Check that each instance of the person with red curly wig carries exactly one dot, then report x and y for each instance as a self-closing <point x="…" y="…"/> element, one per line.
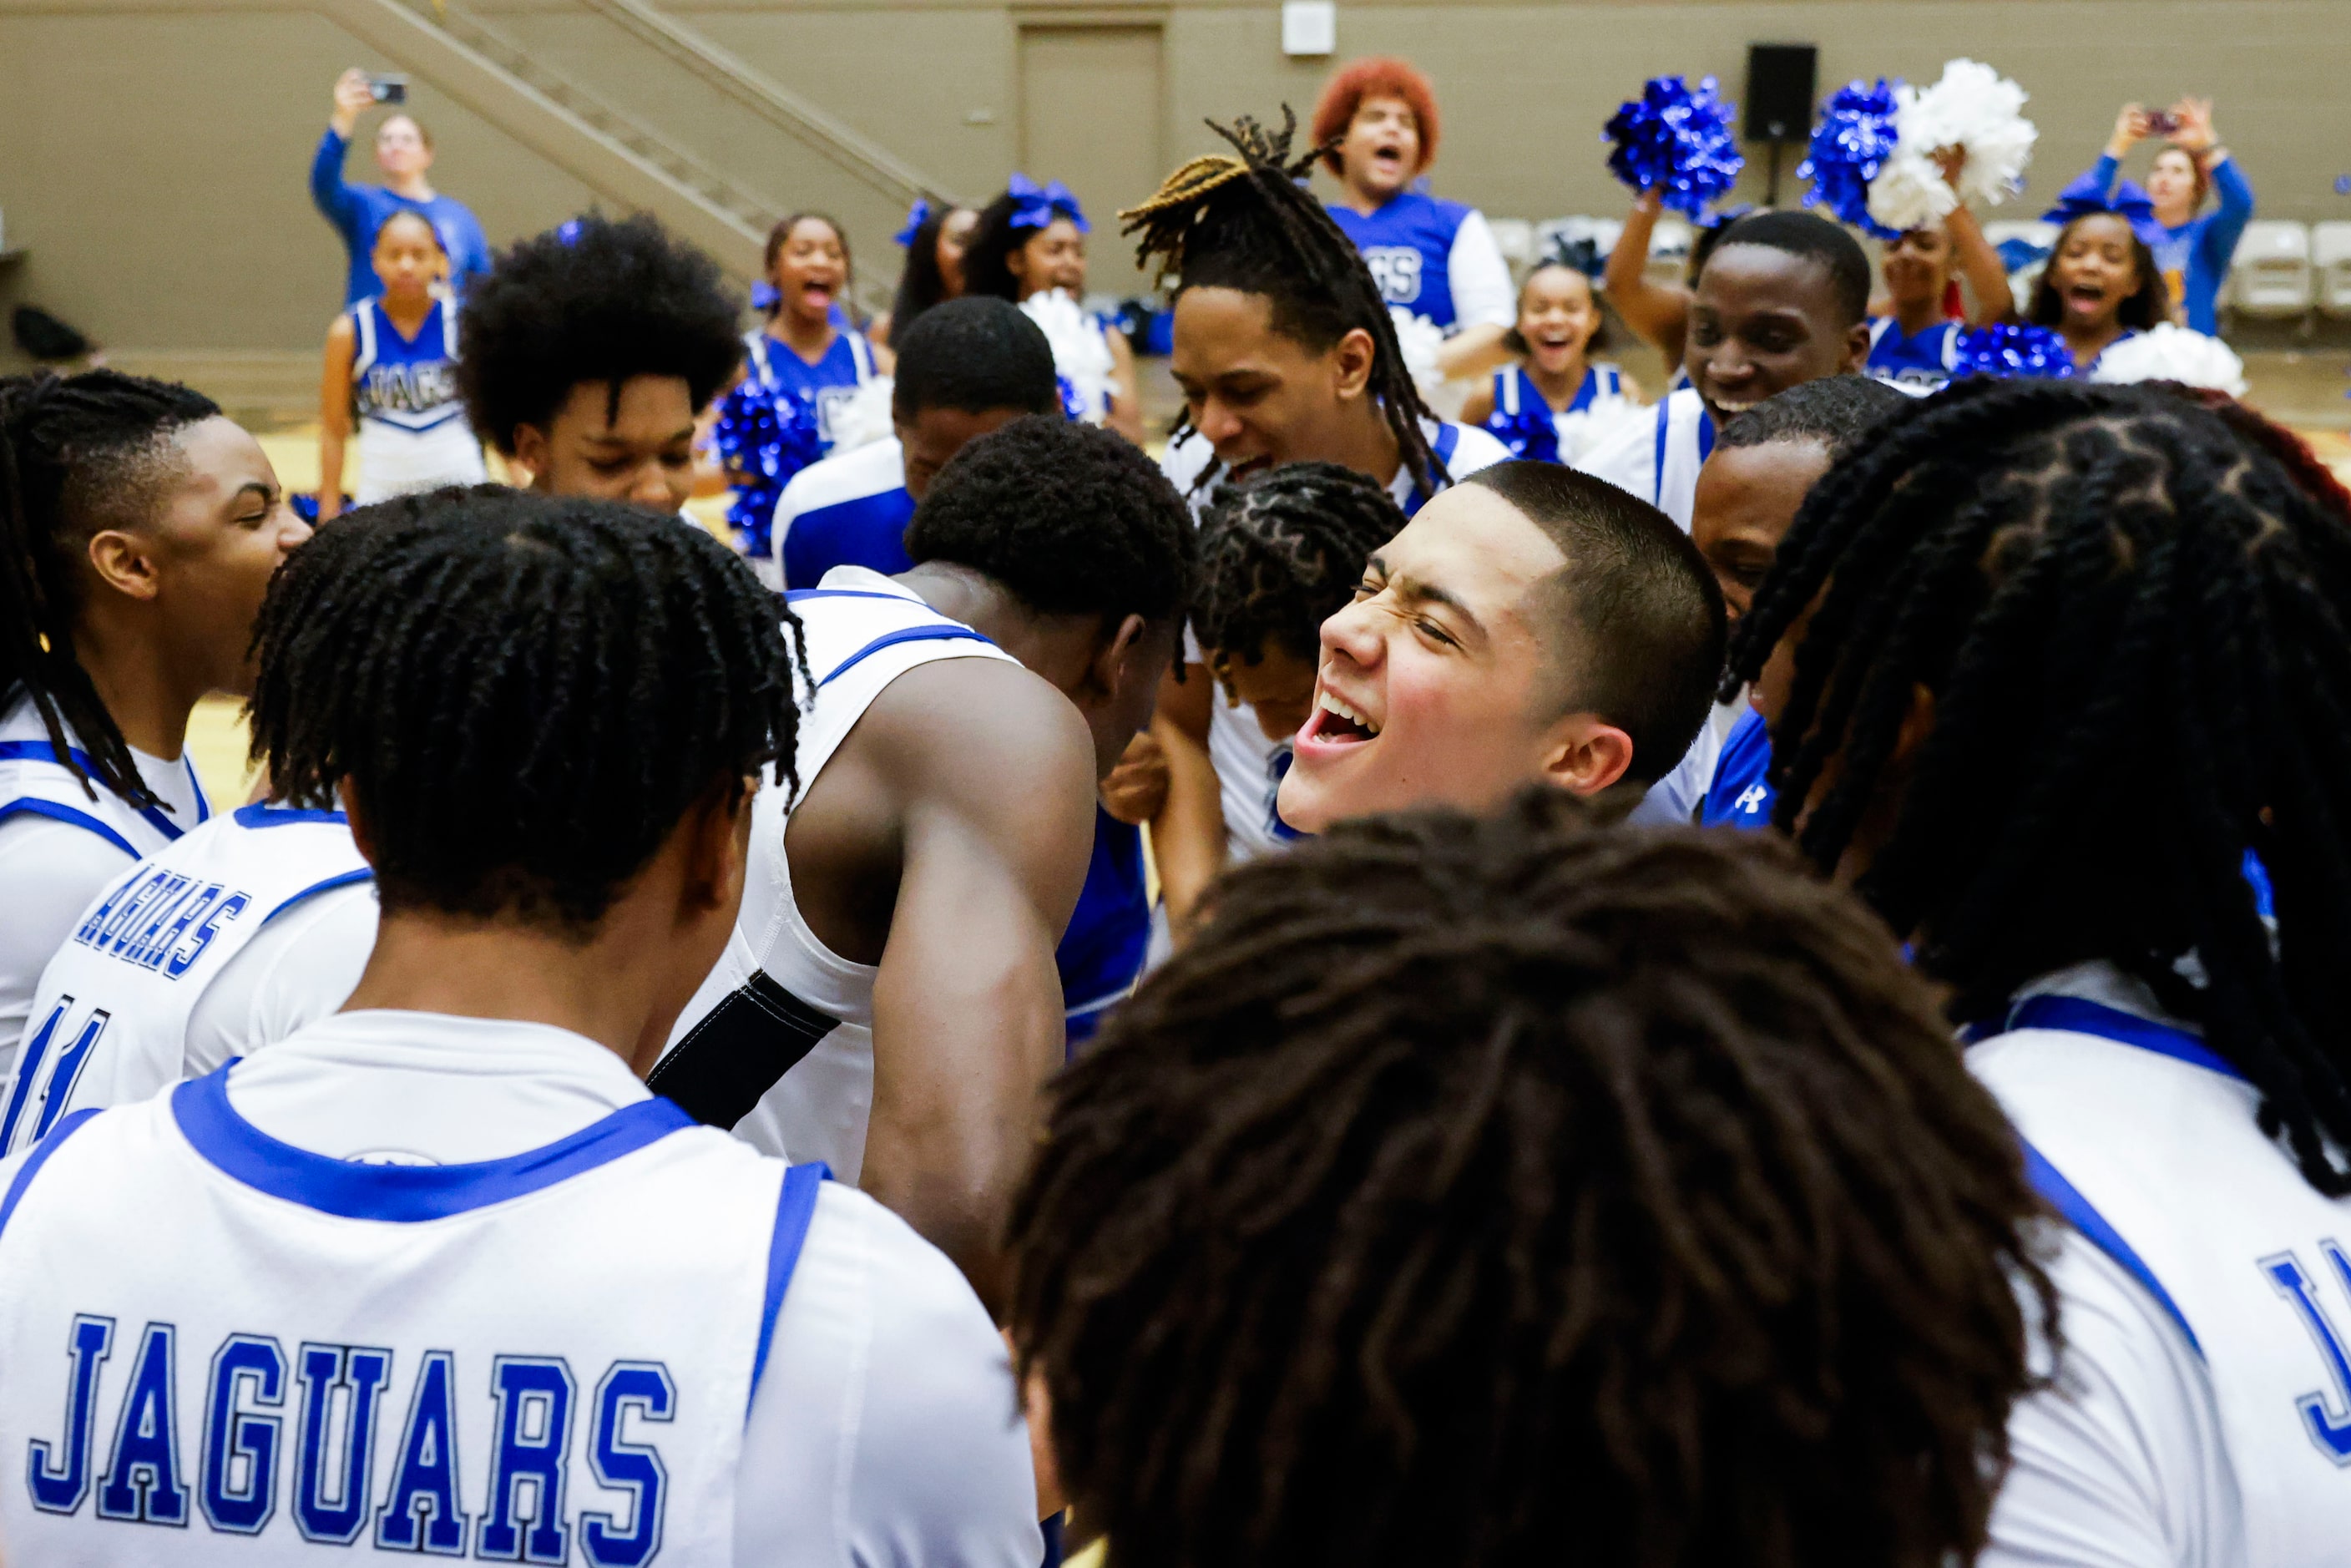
<point x="1433" y="258"/>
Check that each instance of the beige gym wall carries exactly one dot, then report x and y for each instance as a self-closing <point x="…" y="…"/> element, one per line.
<point x="154" y="153"/>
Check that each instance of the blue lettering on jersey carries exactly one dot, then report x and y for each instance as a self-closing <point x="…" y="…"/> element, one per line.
<point x="522" y="1518"/>
<point x="239" y="1490"/>
<point x="142" y="1482"/>
<point x="228" y="909"/>
<point x="58" y="1488"/>
<point x="69" y="1070"/>
<point x="534" y="1433"/>
<point x="1397" y="269"/>
<point x="424" y="1478"/>
<point x="645" y="1387"/>
<point x="2331" y="1432"/>
<point x="28" y="1067"/>
<point x="144" y="922"/>
<point x="334" y="1506"/>
<point x="413" y="386"/>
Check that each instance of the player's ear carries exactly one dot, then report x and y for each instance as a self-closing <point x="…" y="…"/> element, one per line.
<point x="125" y="563"/>
<point x="530" y="448"/>
<point x="1585" y="754"/>
<point x="1856" y="348"/>
<point x="1116" y="656"/>
<point x="1350" y="363"/>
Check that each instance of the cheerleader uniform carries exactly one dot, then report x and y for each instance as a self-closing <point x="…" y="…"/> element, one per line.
<point x="830" y="383"/>
<point x="411" y="428"/>
<point x="1082" y="361"/>
<point x="1518" y="405"/>
<point x="1434" y="259"/>
<point x="1917" y="365"/>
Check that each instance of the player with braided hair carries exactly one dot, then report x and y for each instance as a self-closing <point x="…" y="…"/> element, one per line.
<point x="1281" y="552"/>
<point x="1285" y="353"/>
<point x="2047" y="667"/>
<point x="456" y="1199"/>
<point x="890" y="1004"/>
<point x="1482" y="1192"/>
<point x="139" y="529"/>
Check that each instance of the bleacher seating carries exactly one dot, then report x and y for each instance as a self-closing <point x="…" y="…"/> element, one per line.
<point x="2270" y="275"/>
<point x="2330" y="265"/>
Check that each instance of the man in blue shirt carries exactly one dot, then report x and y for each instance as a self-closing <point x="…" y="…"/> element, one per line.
<point x="403" y="151"/>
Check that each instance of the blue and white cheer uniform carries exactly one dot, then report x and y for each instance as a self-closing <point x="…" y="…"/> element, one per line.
<point x="1917" y="365"/>
<point x="1434" y="259"/>
<point x="1599" y="401"/>
<point x="411" y="428"/>
<point x="831" y="383"/>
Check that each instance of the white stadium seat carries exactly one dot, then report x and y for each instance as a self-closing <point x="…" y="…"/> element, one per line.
<point x="2330" y="263"/>
<point x="2271" y="274"/>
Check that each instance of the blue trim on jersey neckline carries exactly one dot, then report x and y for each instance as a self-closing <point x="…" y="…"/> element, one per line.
<point x="325" y="884"/>
<point x="795" y="1206"/>
<point x="402" y="1194"/>
<point x="937" y="631"/>
<point x="41" y="751"/>
<point x="794" y="595"/>
<point x="1665" y="423"/>
<point x="262" y="814"/>
<point x="39" y="1158"/>
<point x="2078" y="1015"/>
<point x="2066" y="1198"/>
<point x="67" y="814"/>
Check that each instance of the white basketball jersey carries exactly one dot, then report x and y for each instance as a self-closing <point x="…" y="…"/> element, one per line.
<point x="109" y="1021"/>
<point x="2148" y="1143"/>
<point x="215" y="1347"/>
<point x="35" y="781"/>
<point x="778" y="1042"/>
<point x="1657" y="458"/>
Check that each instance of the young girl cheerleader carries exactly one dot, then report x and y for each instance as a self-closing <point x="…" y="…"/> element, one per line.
<point x="141" y="529"/>
<point x="1554" y="403"/>
<point x="391" y="367"/>
<point x="804" y="349"/>
<point x="935" y="239"/>
<point x="1915" y="326"/>
<point x="2101" y="286"/>
<point x="1029" y="247"/>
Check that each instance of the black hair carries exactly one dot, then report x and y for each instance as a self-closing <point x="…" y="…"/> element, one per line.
<point x="1814" y="238"/>
<point x="1251" y="224"/>
<point x="524" y="692"/>
<point x="2143" y="617"/>
<point x="921" y="286"/>
<point x="986" y="256"/>
<point x="2147" y="305"/>
<point x="780" y="236"/>
<point x="1834" y="412"/>
<point x="1516" y="340"/>
<point x="1281" y="552"/>
<point x="1636" y="614"/>
<point x="431" y="228"/>
<point x="975" y="354"/>
<point x="593" y="301"/>
<point x="79" y="455"/>
<point x="1071" y="520"/>
<point x="1473" y="1192"/>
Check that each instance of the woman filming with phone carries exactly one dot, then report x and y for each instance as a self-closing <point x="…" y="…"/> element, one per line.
<point x="403" y="151"/>
<point x="2196" y="247"/>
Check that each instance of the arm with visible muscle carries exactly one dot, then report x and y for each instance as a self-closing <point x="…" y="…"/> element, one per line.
<point x="1187" y="835"/>
<point x="994" y="778"/>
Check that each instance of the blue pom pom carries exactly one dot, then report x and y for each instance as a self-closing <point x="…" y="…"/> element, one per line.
<point x="2011" y="351"/>
<point x="1852" y="142"/>
<point x="1531" y="434"/>
<point x="764" y="435"/>
<point x="764" y="295"/>
<point x="1678" y="141"/>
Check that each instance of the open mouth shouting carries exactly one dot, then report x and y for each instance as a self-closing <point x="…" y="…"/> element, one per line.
<point x="1335" y="725"/>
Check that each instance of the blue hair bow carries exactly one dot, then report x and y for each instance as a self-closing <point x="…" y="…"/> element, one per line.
<point x="1035" y="207"/>
<point x="916" y="217"/>
<point x="2082" y="199"/>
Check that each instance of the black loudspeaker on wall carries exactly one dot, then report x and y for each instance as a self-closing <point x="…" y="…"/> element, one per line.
<point x="1781" y="80"/>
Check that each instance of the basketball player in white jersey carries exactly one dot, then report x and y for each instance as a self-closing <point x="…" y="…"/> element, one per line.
<point x="1783" y="299"/>
<point x="141" y="529"/>
<point x="591" y="349"/>
<point x="438" y="1274"/>
<point x="889" y="1002"/>
<point x="2056" y="675"/>
<point x="1532" y="625"/>
<point x="1285" y="353"/>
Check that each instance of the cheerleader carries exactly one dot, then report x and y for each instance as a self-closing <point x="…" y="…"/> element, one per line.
<point x="809" y="347"/>
<point x="2101" y="285"/>
<point x="392" y="365"/>
<point x="139" y="529"/>
<point x="1914" y="326"/>
<point x="1553" y="405"/>
<point x="2191" y="252"/>
<point x="935" y="239"/>
<point x="1434" y="260"/>
<point x="1029" y="247"/>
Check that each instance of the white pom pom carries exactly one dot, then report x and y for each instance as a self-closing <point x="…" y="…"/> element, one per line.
<point x="1079" y="353"/>
<point x="1419" y="339"/>
<point x="2170" y="353"/>
<point x="1972" y="108"/>
<point x="862" y="420"/>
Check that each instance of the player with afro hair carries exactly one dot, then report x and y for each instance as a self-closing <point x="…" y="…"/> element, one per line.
<point x="589" y="350"/>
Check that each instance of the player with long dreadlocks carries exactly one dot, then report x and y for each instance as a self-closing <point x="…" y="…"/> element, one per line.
<point x="139" y="529"/>
<point x="2048" y="668"/>
<point x="1474" y="1193"/>
<point x="1285" y="354"/>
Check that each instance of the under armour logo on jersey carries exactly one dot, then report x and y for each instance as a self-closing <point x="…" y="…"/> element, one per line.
<point x="1751" y="799"/>
<point x="1397" y="269"/>
<point x="2325" y="1412"/>
<point x="307" y="1431"/>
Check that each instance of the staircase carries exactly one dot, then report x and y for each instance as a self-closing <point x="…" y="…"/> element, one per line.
<point x="623" y="157"/>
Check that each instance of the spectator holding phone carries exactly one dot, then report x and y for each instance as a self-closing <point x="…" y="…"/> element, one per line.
<point x="2196" y="250"/>
<point x="403" y="151"/>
